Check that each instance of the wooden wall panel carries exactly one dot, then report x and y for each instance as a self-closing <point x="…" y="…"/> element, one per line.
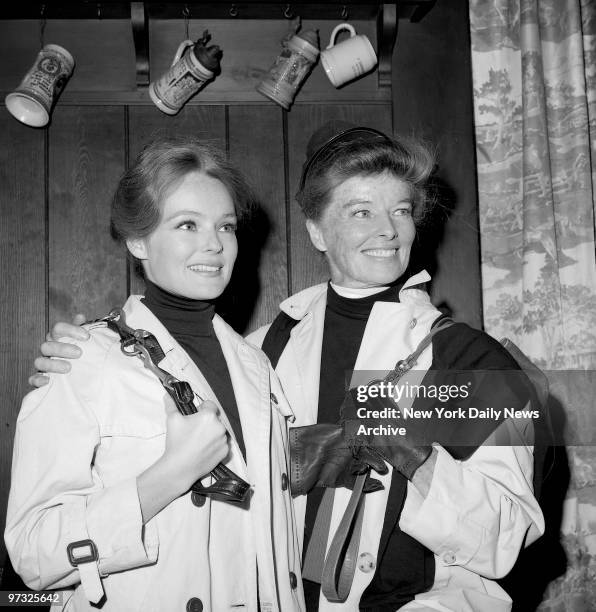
<point x="87" y="271"/>
<point x="147" y="123"/>
<point x="260" y="280"/>
<point x="22" y="275"/>
<point x="432" y="98"/>
<point x="308" y="266"/>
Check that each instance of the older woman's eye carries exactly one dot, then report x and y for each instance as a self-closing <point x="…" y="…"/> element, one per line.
<point x="406" y="210"/>
<point x="362" y="213"/>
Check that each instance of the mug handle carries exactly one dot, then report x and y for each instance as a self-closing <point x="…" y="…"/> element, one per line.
<point x="339" y="28"/>
<point x="181" y="49"/>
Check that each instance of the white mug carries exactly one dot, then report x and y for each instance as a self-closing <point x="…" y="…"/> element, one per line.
<point x="32" y="101"/>
<point x="348" y="59"/>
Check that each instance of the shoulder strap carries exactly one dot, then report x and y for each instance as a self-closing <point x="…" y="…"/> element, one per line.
<point x="226" y="486"/>
<point x="277" y="337"/>
<point x="403" y="365"/>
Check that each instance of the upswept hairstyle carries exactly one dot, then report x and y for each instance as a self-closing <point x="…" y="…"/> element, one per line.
<point x="365" y="152"/>
<point x="160" y="167"/>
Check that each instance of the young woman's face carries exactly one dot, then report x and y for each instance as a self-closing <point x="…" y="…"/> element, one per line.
<point x="192" y="251"/>
<point x="366" y="231"/>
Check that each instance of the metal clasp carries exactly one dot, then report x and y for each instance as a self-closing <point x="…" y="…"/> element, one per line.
<point x="76" y="558"/>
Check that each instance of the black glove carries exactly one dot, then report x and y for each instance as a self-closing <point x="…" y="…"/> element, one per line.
<point x="321" y="457"/>
<point x="406" y="453"/>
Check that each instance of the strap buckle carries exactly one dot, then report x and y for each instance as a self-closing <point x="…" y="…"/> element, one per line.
<point x="76" y="558"/>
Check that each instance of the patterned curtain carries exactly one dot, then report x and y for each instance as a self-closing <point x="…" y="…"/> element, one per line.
<point x="534" y="73"/>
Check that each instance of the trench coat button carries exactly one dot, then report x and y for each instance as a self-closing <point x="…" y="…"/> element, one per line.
<point x="194" y="604"/>
<point x="197" y="500"/>
<point x="366" y="563"/>
<point x="449" y="557"/>
<point x="413" y="323"/>
<point x="273" y="398"/>
<point x="284" y="482"/>
<point x="293" y="580"/>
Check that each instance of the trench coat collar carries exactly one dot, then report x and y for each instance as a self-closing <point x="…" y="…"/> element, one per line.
<point x="178" y="363"/>
<point x="299" y="304"/>
<point x="308" y="307"/>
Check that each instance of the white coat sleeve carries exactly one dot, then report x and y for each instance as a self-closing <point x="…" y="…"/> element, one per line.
<point x="57" y="498"/>
<point x="477" y="513"/>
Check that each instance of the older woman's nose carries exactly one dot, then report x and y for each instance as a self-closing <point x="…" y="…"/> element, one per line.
<point x="387" y="227"/>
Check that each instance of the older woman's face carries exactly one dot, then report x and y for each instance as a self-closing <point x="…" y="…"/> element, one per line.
<point x="192" y="250"/>
<point x="366" y="231"/>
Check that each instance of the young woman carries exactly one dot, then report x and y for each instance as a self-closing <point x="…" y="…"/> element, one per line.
<point x="103" y="462"/>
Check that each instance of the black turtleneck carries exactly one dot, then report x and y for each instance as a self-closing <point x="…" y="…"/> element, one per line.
<point x="345" y="321"/>
<point x="190" y="322"/>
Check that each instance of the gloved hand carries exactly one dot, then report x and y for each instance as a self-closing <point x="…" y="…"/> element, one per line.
<point x="406" y="453"/>
<point x="321" y="457"/>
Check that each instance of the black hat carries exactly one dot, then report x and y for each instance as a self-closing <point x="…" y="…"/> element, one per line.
<point x="333" y="133"/>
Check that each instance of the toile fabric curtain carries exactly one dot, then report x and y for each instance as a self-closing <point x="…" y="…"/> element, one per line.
<point x="534" y="75"/>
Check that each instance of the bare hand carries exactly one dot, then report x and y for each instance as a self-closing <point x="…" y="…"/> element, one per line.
<point x="54" y="352"/>
<point x="195" y="444"/>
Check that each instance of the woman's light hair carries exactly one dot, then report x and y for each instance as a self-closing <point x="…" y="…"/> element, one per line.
<point x="160" y="167"/>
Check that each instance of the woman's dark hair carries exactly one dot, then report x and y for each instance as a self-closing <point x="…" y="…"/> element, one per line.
<point x="160" y="167"/>
<point x="365" y="152"/>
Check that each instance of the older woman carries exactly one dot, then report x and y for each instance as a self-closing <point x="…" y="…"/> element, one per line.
<point x="103" y="461"/>
<point x="443" y="526"/>
<point x="441" y="529"/>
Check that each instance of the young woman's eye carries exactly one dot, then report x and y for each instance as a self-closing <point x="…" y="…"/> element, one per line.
<point x="228" y="227"/>
<point x="187" y="225"/>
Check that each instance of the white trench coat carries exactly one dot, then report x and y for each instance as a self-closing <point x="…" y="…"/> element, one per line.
<point x="82" y="440"/>
<point x="478" y="513"/>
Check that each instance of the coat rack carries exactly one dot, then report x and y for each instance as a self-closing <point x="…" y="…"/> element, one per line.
<point x="386" y="15"/>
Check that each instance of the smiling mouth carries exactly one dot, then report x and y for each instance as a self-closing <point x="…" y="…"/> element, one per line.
<point x="380" y="252"/>
<point x="204" y="268"/>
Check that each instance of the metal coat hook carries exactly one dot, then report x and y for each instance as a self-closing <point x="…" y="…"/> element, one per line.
<point x="186" y="15"/>
<point x="288" y="12"/>
<point x="233" y="11"/>
<point x="42" y="25"/>
<point x="99" y="10"/>
<point x="344" y="15"/>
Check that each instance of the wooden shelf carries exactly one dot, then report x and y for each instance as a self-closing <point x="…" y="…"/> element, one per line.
<point x="413" y="10"/>
<point x="120" y="46"/>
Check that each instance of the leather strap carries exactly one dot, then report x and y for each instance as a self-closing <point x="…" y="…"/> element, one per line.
<point x="90" y="581"/>
<point x="403" y="365"/>
<point x="227" y="486"/>
<point x="314" y="556"/>
<point x="339" y="569"/>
